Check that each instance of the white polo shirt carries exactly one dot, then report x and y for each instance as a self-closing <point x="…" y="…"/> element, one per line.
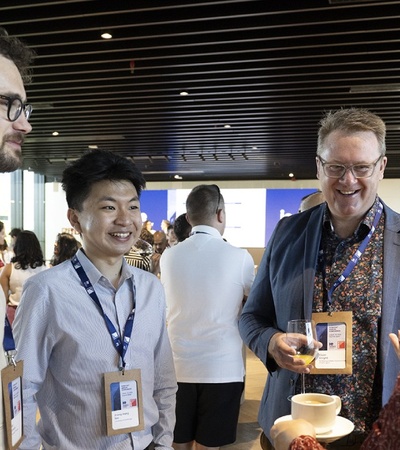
<point x="205" y="280"/>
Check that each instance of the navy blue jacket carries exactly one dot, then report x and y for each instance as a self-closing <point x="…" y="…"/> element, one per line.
<point x="283" y="290"/>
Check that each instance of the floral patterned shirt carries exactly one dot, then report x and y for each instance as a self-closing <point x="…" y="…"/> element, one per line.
<point x="361" y="293"/>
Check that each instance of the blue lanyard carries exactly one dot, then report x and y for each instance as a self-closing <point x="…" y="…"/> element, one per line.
<point x="121" y="346"/>
<point x="357" y="255"/>
<point x="9" y="343"/>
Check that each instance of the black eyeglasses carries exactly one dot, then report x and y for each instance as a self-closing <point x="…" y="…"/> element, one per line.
<point x="219" y="198"/>
<point x="15" y="106"/>
<point x="332" y="170"/>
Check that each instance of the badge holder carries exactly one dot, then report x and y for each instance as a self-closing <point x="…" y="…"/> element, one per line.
<point x="334" y="330"/>
<point x="11" y="377"/>
<point x="124" y="404"/>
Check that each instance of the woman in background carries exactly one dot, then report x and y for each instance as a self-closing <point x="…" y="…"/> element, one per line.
<point x="3" y="245"/>
<point x="65" y="248"/>
<point x="27" y="261"/>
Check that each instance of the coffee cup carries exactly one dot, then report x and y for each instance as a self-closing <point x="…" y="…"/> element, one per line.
<point x="318" y="409"/>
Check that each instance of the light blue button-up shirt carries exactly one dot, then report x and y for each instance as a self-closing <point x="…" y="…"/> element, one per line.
<point x="66" y="347"/>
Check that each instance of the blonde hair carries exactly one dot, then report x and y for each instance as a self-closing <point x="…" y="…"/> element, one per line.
<point x="350" y="121"/>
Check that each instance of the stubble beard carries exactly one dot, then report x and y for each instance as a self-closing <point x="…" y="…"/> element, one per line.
<point x="9" y="160"/>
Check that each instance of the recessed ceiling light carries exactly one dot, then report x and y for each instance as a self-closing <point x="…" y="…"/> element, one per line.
<point x="291" y="175"/>
<point x="184" y="93"/>
<point x="227" y="126"/>
<point x="254" y="147"/>
<point x="177" y="177"/>
<point x="106" y="35"/>
<point x="55" y="133"/>
<point x="93" y="147"/>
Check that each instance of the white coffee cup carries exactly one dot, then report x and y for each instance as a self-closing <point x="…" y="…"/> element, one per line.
<point x="318" y="409"/>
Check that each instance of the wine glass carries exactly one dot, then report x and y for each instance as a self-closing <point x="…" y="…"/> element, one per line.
<point x="301" y="335"/>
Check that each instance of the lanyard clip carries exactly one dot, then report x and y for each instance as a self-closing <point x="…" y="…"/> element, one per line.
<point x="10" y="355"/>
<point x="122" y="366"/>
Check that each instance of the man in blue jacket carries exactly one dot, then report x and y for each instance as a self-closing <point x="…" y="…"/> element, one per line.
<point x="341" y="256"/>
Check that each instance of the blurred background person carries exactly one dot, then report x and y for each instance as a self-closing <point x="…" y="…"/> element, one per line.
<point x="171" y="236"/>
<point x="147" y="236"/>
<point x="13" y="235"/>
<point x="182" y="228"/>
<point x="148" y="225"/>
<point x="160" y="244"/>
<point x="27" y="261"/>
<point x="311" y="200"/>
<point x="3" y="245"/>
<point x="164" y="225"/>
<point x="140" y="253"/>
<point x="65" y="248"/>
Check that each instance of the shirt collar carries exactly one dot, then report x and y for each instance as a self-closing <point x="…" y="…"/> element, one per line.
<point x="94" y="274"/>
<point x="364" y="226"/>
<point x="206" y="229"/>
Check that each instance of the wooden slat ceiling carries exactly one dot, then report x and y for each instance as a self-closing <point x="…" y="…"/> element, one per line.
<point x="268" y="69"/>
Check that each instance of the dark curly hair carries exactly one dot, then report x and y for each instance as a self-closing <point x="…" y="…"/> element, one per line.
<point x="27" y="251"/>
<point x="17" y="51"/>
<point x="67" y="246"/>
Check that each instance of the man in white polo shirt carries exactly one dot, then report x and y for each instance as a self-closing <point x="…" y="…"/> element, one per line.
<point x="206" y="280"/>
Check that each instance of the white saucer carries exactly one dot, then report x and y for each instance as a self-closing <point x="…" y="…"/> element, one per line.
<point x="342" y="428"/>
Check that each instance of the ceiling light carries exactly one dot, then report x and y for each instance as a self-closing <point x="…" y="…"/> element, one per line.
<point x="291" y="175"/>
<point x="184" y="93"/>
<point x="93" y="147"/>
<point x="227" y="126"/>
<point x="177" y="177"/>
<point x="254" y="147"/>
<point x="106" y="35"/>
<point x="55" y="133"/>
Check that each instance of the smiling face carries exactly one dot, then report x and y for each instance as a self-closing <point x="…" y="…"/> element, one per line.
<point x="109" y="222"/>
<point x="12" y="134"/>
<point x="350" y="198"/>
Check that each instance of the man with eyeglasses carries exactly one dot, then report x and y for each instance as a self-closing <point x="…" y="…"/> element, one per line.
<point x="205" y="281"/>
<point x="15" y="59"/>
<point x="339" y="259"/>
<point x="14" y="113"/>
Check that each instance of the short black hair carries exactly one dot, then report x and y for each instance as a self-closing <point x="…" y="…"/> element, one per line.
<point x="203" y="203"/>
<point x="182" y="228"/>
<point x="18" y="52"/>
<point x="94" y="166"/>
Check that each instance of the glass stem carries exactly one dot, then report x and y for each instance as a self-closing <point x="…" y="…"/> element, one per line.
<point x="303" y="383"/>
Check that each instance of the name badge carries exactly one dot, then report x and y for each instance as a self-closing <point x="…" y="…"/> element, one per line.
<point x="334" y="331"/>
<point x="11" y="377"/>
<point x="124" y="404"/>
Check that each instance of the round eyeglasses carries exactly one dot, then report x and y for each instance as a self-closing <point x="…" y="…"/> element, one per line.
<point x="15" y="106"/>
<point x="332" y="170"/>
